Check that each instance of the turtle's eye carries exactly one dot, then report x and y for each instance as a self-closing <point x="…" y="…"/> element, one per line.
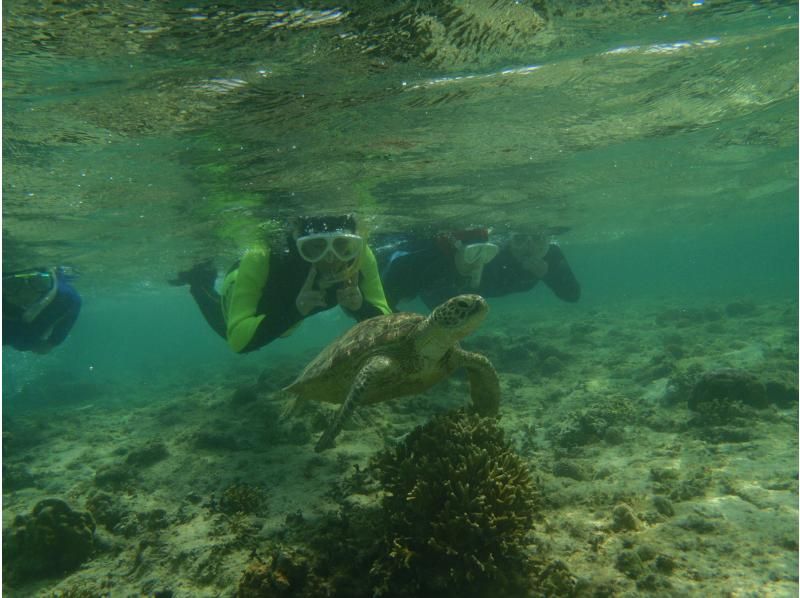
<point x="463" y="304"/>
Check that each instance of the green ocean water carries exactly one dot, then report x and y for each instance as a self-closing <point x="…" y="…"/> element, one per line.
<point x="659" y="138"/>
<point x="139" y="138"/>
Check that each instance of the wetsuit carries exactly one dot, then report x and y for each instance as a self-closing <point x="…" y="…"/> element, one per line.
<point x="257" y="302"/>
<point x="504" y="275"/>
<point x="428" y="270"/>
<point x="53" y="322"/>
<point x="419" y="268"/>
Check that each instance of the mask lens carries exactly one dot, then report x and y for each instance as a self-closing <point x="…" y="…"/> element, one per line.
<point x="472" y="253"/>
<point x="344" y="246"/>
<point x="480" y="252"/>
<point x="347" y="247"/>
<point x="312" y="248"/>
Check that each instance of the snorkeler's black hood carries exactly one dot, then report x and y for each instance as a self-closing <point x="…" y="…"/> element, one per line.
<point x="310" y="225"/>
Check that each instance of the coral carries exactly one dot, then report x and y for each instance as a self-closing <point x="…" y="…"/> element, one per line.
<point x="624" y="519"/>
<point x="114" y="476"/>
<point x="694" y="485"/>
<point x="728" y="385"/>
<point x="106" y="509"/>
<point x="718" y="420"/>
<point x="556" y="580"/>
<point x="679" y="485"/>
<point x="344" y="545"/>
<point x="726" y="402"/>
<point x="284" y="573"/>
<point x="570" y="469"/>
<point x="458" y="506"/>
<point x="599" y="421"/>
<point x="241" y="498"/>
<point x="51" y="541"/>
<point x="663" y="505"/>
<point x="629" y="563"/>
<point x="782" y="389"/>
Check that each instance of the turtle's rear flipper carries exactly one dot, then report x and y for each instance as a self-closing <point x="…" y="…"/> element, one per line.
<point x="484" y="385"/>
<point x="367" y="380"/>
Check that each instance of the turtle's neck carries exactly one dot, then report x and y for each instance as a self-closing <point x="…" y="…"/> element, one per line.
<point x="433" y="341"/>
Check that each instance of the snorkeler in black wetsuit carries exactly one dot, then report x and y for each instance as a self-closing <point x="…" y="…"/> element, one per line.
<point x="448" y="264"/>
<point x="435" y="268"/>
<point x="40" y="308"/>
<point x="525" y="261"/>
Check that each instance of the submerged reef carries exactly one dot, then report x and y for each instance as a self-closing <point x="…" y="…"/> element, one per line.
<point x="458" y="508"/>
<point x="240" y="498"/>
<point x="601" y="420"/>
<point x="728" y="385"/>
<point x="724" y="403"/>
<point x="284" y="573"/>
<point x="51" y="541"/>
<point x="455" y="519"/>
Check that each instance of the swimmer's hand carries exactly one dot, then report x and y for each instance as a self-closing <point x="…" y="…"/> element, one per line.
<point x="349" y="295"/>
<point x="308" y="299"/>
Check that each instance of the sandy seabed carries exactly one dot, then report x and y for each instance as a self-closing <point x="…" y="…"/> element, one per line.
<point x="189" y="483"/>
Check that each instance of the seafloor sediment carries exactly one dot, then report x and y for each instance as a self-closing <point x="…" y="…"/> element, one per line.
<point x="199" y="489"/>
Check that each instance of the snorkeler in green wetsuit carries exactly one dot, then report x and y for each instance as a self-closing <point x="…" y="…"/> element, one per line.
<point x="269" y="292"/>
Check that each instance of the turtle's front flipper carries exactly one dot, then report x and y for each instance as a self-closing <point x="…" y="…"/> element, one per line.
<point x="484" y="385"/>
<point x="367" y="381"/>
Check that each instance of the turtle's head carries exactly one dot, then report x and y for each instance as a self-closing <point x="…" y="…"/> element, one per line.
<point x="459" y="316"/>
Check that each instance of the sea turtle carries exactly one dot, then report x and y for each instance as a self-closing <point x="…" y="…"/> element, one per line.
<point x="397" y="355"/>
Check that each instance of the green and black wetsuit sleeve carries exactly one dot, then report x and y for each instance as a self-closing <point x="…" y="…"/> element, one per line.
<point x="369" y="281"/>
<point x="241" y="293"/>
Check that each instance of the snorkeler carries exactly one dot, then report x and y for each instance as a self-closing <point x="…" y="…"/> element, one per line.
<point x="40" y="308"/>
<point x="523" y="261"/>
<point x="448" y="264"/>
<point x="438" y="267"/>
<point x="269" y="292"/>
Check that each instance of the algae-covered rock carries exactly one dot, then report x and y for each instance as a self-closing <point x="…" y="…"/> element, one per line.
<point x="458" y="507"/>
<point x="782" y="389"/>
<point x="147" y="455"/>
<point x="624" y="519"/>
<point x="107" y="509"/>
<point x="17" y="476"/>
<point x="51" y="541"/>
<point x="728" y="385"/>
<point x="601" y="420"/>
<point x="240" y="498"/>
<point x="284" y="573"/>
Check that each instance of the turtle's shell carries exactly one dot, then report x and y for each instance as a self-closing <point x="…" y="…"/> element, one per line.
<point x="329" y="376"/>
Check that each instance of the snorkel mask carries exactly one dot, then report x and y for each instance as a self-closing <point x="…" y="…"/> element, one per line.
<point x="331" y="242"/>
<point x="470" y="259"/>
<point x="31" y="290"/>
